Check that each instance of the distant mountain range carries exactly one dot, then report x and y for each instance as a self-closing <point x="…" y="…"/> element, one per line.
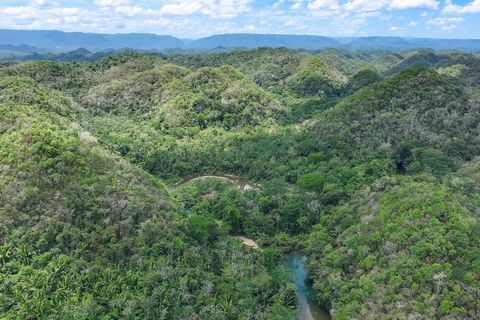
<point x="249" y="41"/>
<point x="29" y="41"/>
<point x="20" y="48"/>
<point x="66" y="41"/>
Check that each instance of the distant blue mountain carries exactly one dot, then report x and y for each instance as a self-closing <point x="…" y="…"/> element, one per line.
<point x="249" y="41"/>
<point x="245" y="40"/>
<point x="398" y="43"/>
<point x="23" y="48"/>
<point x="67" y="41"/>
<point x="58" y="41"/>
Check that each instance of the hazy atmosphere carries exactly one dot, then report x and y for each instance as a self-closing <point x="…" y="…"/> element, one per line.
<point x="193" y="19"/>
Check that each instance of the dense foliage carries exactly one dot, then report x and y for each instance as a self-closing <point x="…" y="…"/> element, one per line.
<point x="409" y="243"/>
<point x="124" y="182"/>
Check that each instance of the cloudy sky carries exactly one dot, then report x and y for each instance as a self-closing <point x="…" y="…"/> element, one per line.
<point x="193" y="19"/>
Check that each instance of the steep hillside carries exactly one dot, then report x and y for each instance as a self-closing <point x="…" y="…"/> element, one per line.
<point x="131" y="91"/>
<point x="86" y="235"/>
<point x="215" y="97"/>
<point x="316" y="79"/>
<point x="25" y="91"/>
<point x="49" y="164"/>
<point x="417" y="117"/>
<point x="268" y="67"/>
<point x="374" y="177"/>
<point x="363" y="78"/>
<point x="402" y="248"/>
<point x="70" y="78"/>
<point x="432" y="59"/>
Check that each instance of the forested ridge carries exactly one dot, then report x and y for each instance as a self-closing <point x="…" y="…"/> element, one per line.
<point x="366" y="161"/>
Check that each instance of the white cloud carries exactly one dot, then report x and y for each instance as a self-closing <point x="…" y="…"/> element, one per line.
<point x="130" y="11"/>
<point x="212" y="8"/>
<point x="205" y="17"/>
<point x="450" y="28"/>
<point x="472" y="7"/>
<point x="31" y="13"/>
<point x="444" y="21"/>
<point x="182" y="8"/>
<point x="368" y="14"/>
<point x="297" y="5"/>
<point x="323" y="4"/>
<point x="20" y="12"/>
<point x="43" y="3"/>
<point x="368" y="5"/>
<point x="278" y="4"/>
<point x="445" y="24"/>
<point x="228" y="8"/>
<point x="412" y="4"/>
<point x="38" y="2"/>
<point x="364" y="5"/>
<point x="112" y="3"/>
<point x="62" y="12"/>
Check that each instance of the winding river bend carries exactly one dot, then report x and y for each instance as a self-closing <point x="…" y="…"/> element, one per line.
<point x="307" y="306"/>
<point x="308" y="309"/>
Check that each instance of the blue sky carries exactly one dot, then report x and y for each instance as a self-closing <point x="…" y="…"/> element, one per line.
<point x="193" y="19"/>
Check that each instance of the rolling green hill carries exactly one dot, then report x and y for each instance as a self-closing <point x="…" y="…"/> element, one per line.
<point x="126" y="181"/>
<point x="87" y="235"/>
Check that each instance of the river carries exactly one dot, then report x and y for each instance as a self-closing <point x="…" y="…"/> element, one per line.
<point x="308" y="309"/>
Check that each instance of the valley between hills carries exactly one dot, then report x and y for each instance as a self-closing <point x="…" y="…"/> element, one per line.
<point x="126" y="182"/>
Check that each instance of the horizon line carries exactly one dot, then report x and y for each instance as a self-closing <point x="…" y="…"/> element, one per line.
<point x="233" y="33"/>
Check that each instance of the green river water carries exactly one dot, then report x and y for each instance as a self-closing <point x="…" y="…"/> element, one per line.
<point x="307" y="306"/>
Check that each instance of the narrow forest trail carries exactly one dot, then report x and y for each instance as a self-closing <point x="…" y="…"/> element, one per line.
<point x="243" y="184"/>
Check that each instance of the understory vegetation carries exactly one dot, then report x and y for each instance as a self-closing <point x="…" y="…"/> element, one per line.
<point x="124" y="182"/>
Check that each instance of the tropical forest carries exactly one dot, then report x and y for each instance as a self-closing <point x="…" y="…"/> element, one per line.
<point x="249" y="184"/>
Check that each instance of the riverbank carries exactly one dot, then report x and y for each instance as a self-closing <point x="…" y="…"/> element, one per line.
<point x="307" y="306"/>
